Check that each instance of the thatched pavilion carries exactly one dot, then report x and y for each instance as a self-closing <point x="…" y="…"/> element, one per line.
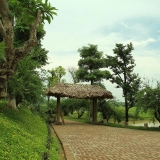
<point x="81" y="91"/>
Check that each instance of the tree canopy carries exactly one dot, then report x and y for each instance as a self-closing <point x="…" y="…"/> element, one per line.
<point x="90" y="64"/>
<point x="55" y="75"/>
<point x="60" y="72"/>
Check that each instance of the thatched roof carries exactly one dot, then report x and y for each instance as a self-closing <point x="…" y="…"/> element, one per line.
<point x="78" y="91"/>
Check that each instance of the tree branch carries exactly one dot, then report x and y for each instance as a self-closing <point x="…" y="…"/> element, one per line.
<point x="6" y="26"/>
<point x="2" y="30"/>
<point x="21" y="52"/>
<point x="120" y="78"/>
<point x="4" y="10"/>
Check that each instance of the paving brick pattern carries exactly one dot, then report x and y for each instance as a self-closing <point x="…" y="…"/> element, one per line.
<point x="94" y="142"/>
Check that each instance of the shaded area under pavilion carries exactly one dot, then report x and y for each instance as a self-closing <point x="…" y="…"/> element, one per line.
<point x="80" y="91"/>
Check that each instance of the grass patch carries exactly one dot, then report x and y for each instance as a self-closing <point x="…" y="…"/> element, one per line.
<point x="23" y="135"/>
<point x="74" y="117"/>
<point x="83" y="120"/>
<point x="111" y="124"/>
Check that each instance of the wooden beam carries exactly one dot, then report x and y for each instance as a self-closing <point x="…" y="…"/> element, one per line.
<point x="58" y="111"/>
<point x="94" y="111"/>
<point x="62" y="117"/>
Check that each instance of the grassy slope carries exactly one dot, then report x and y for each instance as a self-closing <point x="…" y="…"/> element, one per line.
<point x="23" y="135"/>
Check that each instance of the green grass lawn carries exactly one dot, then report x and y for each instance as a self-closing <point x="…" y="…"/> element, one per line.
<point x="144" y="117"/>
<point x="23" y="136"/>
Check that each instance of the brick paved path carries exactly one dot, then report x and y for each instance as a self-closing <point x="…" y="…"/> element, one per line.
<point x="93" y="142"/>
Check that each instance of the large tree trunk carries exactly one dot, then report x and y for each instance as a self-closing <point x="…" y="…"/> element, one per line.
<point x="12" y="102"/>
<point x="7" y="33"/>
<point x="13" y="54"/>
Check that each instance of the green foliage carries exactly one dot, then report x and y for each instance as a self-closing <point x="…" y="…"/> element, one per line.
<point x="18" y="11"/>
<point x="122" y="65"/>
<point x="54" y="148"/>
<point x="118" y="115"/>
<point x="26" y="84"/>
<point x="21" y="20"/>
<point x="74" y="117"/>
<point x="20" y="8"/>
<point x="78" y="105"/>
<point x="23" y="135"/>
<point x="22" y="33"/>
<point x="105" y="110"/>
<point x="39" y="57"/>
<point x="148" y="99"/>
<point x="52" y="105"/>
<point x="110" y="110"/>
<point x="60" y="72"/>
<point x="90" y="64"/>
<point x="67" y="106"/>
<point x="51" y="78"/>
<point x="55" y="75"/>
<point x="50" y="111"/>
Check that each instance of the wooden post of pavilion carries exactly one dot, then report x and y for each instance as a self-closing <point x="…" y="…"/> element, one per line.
<point x="58" y="110"/>
<point x="94" y="110"/>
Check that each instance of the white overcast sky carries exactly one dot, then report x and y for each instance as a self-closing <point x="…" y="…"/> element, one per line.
<point x="105" y="23"/>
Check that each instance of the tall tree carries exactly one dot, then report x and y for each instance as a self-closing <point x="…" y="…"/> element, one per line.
<point x="29" y="15"/>
<point x="90" y="64"/>
<point x="122" y="65"/>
